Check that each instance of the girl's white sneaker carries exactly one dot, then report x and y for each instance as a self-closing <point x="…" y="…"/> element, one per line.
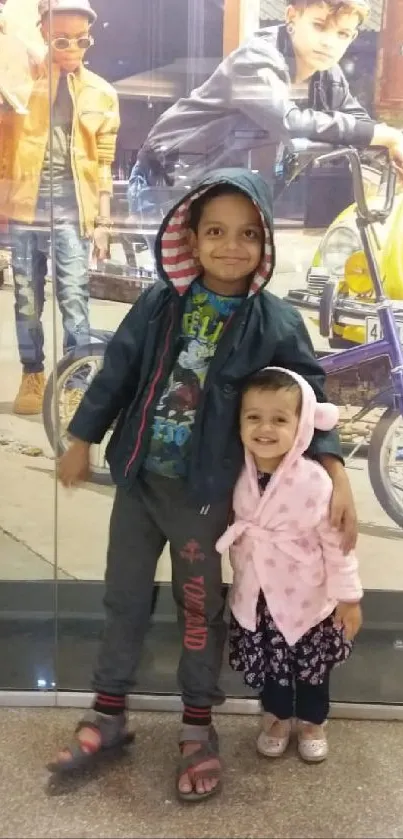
<point x="312" y="749"/>
<point x="274" y="736"/>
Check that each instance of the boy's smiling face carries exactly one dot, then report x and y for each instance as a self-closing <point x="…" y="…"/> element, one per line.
<point x="228" y="243"/>
<point x="319" y="36"/>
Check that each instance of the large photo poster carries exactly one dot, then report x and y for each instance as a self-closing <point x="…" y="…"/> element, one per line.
<point x="106" y="122"/>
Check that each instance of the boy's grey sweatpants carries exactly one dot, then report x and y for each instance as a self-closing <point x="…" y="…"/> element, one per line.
<point x="157" y="511"/>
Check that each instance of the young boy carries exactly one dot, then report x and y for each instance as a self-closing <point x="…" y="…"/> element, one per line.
<point x="284" y="82"/>
<point x="72" y="169"/>
<point x="171" y="378"/>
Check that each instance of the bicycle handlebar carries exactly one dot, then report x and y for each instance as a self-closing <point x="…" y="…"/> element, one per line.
<point x="323" y="152"/>
<point x="353" y="156"/>
<point x="301" y="146"/>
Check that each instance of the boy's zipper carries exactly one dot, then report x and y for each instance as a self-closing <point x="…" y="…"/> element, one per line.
<point x="205" y="509"/>
<point x="212" y="368"/>
<point x="226" y="345"/>
<point x="151" y="394"/>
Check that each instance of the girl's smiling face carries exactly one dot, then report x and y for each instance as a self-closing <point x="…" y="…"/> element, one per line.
<point x="269" y="423"/>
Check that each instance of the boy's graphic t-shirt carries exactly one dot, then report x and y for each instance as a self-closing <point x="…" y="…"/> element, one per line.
<point x="57" y="174"/>
<point x="203" y="322"/>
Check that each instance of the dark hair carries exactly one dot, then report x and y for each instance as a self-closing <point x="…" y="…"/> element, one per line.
<point x="337" y="7"/>
<point x="198" y="205"/>
<point x="272" y="380"/>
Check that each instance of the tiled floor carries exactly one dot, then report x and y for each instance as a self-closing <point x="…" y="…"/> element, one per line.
<point x="357" y="793"/>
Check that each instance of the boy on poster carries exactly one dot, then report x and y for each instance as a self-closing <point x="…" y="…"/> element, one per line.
<point x="68" y="162"/>
<point x="284" y="82"/>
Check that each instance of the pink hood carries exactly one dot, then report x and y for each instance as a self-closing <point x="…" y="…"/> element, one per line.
<point x="282" y="543"/>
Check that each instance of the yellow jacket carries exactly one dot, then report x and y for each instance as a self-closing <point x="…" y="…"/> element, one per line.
<point x="23" y="142"/>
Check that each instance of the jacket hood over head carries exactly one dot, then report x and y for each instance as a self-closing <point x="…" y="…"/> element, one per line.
<point x="322" y="416"/>
<point x="176" y="263"/>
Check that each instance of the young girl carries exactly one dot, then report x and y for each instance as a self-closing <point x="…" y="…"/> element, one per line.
<point x="295" y="599"/>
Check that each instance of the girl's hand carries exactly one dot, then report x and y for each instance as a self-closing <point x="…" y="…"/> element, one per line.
<point x="348" y="617"/>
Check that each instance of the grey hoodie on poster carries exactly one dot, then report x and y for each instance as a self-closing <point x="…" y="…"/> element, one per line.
<point x="246" y="103"/>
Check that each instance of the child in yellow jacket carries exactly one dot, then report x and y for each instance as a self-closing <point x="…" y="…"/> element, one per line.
<point x="61" y="151"/>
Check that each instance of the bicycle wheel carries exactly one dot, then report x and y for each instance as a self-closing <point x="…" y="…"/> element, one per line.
<point x="75" y="373"/>
<point x="385" y="464"/>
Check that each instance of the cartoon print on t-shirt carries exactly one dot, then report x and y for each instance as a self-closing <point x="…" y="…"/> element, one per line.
<point x="203" y="323"/>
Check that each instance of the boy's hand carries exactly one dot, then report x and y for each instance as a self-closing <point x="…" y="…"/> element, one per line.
<point x="74" y="465"/>
<point x="348" y="616"/>
<point x="343" y="514"/>
<point x="392" y="138"/>
<point x="396" y="153"/>
<point x="102" y="242"/>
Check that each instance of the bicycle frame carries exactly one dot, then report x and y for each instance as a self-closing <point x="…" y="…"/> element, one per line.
<point x="347" y="359"/>
<point x="388" y="346"/>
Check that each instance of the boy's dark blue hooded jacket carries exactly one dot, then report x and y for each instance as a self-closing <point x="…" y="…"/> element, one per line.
<point x="264" y="331"/>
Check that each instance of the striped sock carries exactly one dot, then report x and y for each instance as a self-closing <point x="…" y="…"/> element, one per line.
<point x="196" y="716"/>
<point x="109" y="704"/>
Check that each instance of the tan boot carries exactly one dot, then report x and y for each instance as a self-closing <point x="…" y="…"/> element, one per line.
<point x="30" y="395"/>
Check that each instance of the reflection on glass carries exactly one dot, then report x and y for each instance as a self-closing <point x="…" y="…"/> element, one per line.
<point x="153" y="105"/>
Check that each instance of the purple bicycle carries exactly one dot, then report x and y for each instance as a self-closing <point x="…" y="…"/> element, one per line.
<point x="367" y="380"/>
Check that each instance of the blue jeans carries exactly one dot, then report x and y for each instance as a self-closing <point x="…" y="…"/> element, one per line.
<point x="150" y="200"/>
<point x="30" y="250"/>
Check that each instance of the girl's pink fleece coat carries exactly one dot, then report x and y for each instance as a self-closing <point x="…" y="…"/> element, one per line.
<point x="281" y="542"/>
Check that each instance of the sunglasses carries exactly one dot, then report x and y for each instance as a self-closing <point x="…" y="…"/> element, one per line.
<point x="83" y="43"/>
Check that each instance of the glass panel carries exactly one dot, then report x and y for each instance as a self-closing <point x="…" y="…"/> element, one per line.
<point x="152" y="64"/>
<point x="324" y="251"/>
<point x="27" y="486"/>
<point x="58" y="190"/>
